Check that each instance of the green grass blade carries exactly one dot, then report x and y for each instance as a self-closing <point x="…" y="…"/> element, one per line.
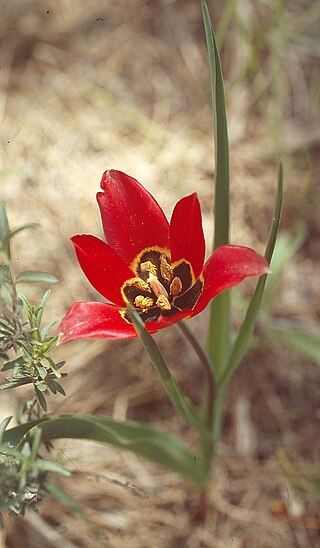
<point x="4" y="231"/>
<point x="242" y="340"/>
<point x="219" y="324"/>
<point x="3" y="425"/>
<point x="178" y="399"/>
<point x="221" y="141"/>
<point x="141" y="439"/>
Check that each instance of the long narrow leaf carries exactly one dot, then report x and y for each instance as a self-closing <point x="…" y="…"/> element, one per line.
<point x="219" y="324"/>
<point x="3" y="425"/>
<point x="143" y="440"/>
<point x="4" y="231"/>
<point x="180" y="402"/>
<point x="242" y="340"/>
<point x="35" y="277"/>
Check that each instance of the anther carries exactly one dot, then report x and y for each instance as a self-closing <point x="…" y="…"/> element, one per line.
<point x="165" y="268"/>
<point x="163" y="303"/>
<point x="148" y="266"/>
<point x="143" y="302"/>
<point x="175" y="286"/>
<point x="139" y="284"/>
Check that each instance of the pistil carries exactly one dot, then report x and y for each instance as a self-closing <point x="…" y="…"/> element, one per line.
<point x="157" y="286"/>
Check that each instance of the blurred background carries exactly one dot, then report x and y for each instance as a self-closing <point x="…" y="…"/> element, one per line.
<point x="86" y="86"/>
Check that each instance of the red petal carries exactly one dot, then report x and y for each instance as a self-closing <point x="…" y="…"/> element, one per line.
<point x="105" y="270"/>
<point x="94" y="320"/>
<point x="132" y="219"/>
<point x="228" y="266"/>
<point x="103" y="321"/>
<point x="186" y="234"/>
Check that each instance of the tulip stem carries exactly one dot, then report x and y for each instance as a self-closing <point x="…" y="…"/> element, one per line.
<point x="205" y="361"/>
<point x="218" y="415"/>
<point x="178" y="399"/>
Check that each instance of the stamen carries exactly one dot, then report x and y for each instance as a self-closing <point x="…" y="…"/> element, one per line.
<point x="148" y="266"/>
<point x="143" y="302"/>
<point x="157" y="286"/>
<point x="175" y="286"/>
<point x="139" y="284"/>
<point x="165" y="268"/>
<point x="163" y="303"/>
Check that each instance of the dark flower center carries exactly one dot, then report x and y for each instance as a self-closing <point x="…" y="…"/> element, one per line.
<point x="160" y="288"/>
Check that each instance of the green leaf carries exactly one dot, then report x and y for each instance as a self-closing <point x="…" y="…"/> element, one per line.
<point x="4" y="231"/>
<point x="15" y="384"/>
<point x="13" y="363"/>
<point x="46" y="329"/>
<point x="41" y="306"/>
<point x="3" y="425"/>
<point x="36" y="440"/>
<point x="27" y="305"/>
<point x="50" y="384"/>
<point x="35" y="277"/>
<point x="44" y="300"/>
<point x="6" y="324"/>
<point x="241" y="343"/>
<point x="219" y="323"/>
<point x="303" y="341"/>
<point x="221" y="142"/>
<point x="143" y="440"/>
<point x="57" y="387"/>
<point x="41" y="370"/>
<point x="48" y="345"/>
<point x="52" y="466"/>
<point x="41" y="398"/>
<point x="178" y="399"/>
<point x="53" y="366"/>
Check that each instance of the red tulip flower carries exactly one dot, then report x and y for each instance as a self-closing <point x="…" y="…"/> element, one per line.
<point x="155" y="266"/>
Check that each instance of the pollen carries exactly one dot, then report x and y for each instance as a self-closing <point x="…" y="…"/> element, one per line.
<point x="163" y="303"/>
<point x="139" y="284"/>
<point x="143" y="302"/>
<point x="165" y="268"/>
<point x="175" y="286"/>
<point x="148" y="266"/>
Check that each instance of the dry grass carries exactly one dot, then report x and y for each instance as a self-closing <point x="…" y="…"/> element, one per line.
<point x="87" y="86"/>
